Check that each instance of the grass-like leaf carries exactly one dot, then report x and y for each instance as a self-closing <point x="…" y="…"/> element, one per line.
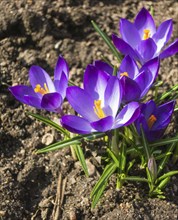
<point x="81" y="158"/>
<point x="113" y="156"/>
<point x="136" y="179"/>
<point x="107" y="41"/>
<point x="165" y="158"/>
<point x="108" y="171"/>
<point x="71" y="141"/>
<point x="169" y="174"/>
<point x="155" y="144"/>
<point x="145" y="144"/>
<point x="168" y="93"/>
<point x="98" y="195"/>
<point x="50" y="123"/>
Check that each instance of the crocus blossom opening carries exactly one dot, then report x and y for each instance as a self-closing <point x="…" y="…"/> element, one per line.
<point x="151" y="121"/>
<point x="124" y="74"/>
<point x="146" y="34"/>
<point x="98" y="110"/>
<point x="154" y="119"/>
<point x="98" y="104"/>
<point x="135" y="82"/>
<point x="41" y="90"/>
<point x="142" y="40"/>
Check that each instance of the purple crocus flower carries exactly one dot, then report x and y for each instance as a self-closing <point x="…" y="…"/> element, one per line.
<point x="142" y="41"/>
<point x="135" y="82"/>
<point x="154" y="119"/>
<point x="98" y="104"/>
<point x="43" y="92"/>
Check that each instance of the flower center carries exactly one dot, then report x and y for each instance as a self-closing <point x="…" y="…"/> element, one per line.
<point x="124" y="74"/>
<point x="98" y="110"/>
<point x="151" y="121"/>
<point x="146" y="34"/>
<point x="41" y="90"/>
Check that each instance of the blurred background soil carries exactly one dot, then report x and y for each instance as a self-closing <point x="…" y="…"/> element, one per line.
<point x="37" y="32"/>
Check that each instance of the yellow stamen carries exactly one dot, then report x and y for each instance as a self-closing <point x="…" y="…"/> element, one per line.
<point x="124" y="74"/>
<point x="151" y="121"/>
<point x="98" y="110"/>
<point x="146" y="34"/>
<point x="41" y="90"/>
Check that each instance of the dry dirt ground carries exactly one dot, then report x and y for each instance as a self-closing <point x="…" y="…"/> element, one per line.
<point x="37" y="32"/>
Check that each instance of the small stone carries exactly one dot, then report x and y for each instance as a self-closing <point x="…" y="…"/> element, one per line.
<point x="47" y="139"/>
<point x="91" y="168"/>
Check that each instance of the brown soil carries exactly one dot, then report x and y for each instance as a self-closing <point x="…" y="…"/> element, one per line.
<point x="36" y="32"/>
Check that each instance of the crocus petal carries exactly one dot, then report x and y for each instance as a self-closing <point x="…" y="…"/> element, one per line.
<point x="37" y="75"/>
<point x="127" y="115"/>
<point x="112" y="96"/>
<point x="128" y="65"/>
<point x="147" y="49"/>
<point x="131" y="90"/>
<point x="149" y="73"/>
<point x="148" y="109"/>
<point x="51" y="101"/>
<point x="33" y="101"/>
<point x="163" y="34"/>
<point x="124" y="47"/>
<point x="61" y="67"/>
<point x="104" y="124"/>
<point x="22" y="91"/>
<point x="163" y="114"/>
<point x="171" y="50"/>
<point x="143" y="21"/>
<point x="129" y="33"/>
<point x="141" y="121"/>
<point x="144" y="81"/>
<point x="152" y="66"/>
<point x="149" y="134"/>
<point x="154" y="135"/>
<point x="76" y="124"/>
<point x="95" y="82"/>
<point x="82" y="102"/>
<point x="61" y="85"/>
<point x="105" y="67"/>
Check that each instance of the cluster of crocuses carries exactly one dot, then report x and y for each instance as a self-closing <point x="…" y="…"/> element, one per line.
<point x="113" y="97"/>
<point x="110" y="99"/>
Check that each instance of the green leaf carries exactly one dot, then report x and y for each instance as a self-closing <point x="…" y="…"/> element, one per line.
<point x="165" y="158"/>
<point x="176" y="109"/>
<point x="130" y="165"/>
<point x="71" y="83"/>
<point x="149" y="177"/>
<point x="107" y="41"/>
<point x="98" y="195"/>
<point x="155" y="144"/>
<point x="122" y="157"/>
<point x="113" y="156"/>
<point x="168" y="93"/>
<point x="136" y="179"/>
<point x="145" y="144"/>
<point x="81" y="158"/>
<point x="72" y="141"/>
<point x="169" y="174"/>
<point x="164" y="142"/>
<point x="108" y="171"/>
<point x="50" y="123"/>
<point x="163" y="184"/>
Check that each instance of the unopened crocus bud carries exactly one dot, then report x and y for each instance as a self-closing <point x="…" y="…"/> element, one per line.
<point x="152" y="167"/>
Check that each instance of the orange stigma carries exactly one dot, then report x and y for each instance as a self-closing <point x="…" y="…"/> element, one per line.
<point x="41" y="90"/>
<point x="98" y="110"/>
<point x="124" y="74"/>
<point x="146" y="34"/>
<point x="151" y="121"/>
